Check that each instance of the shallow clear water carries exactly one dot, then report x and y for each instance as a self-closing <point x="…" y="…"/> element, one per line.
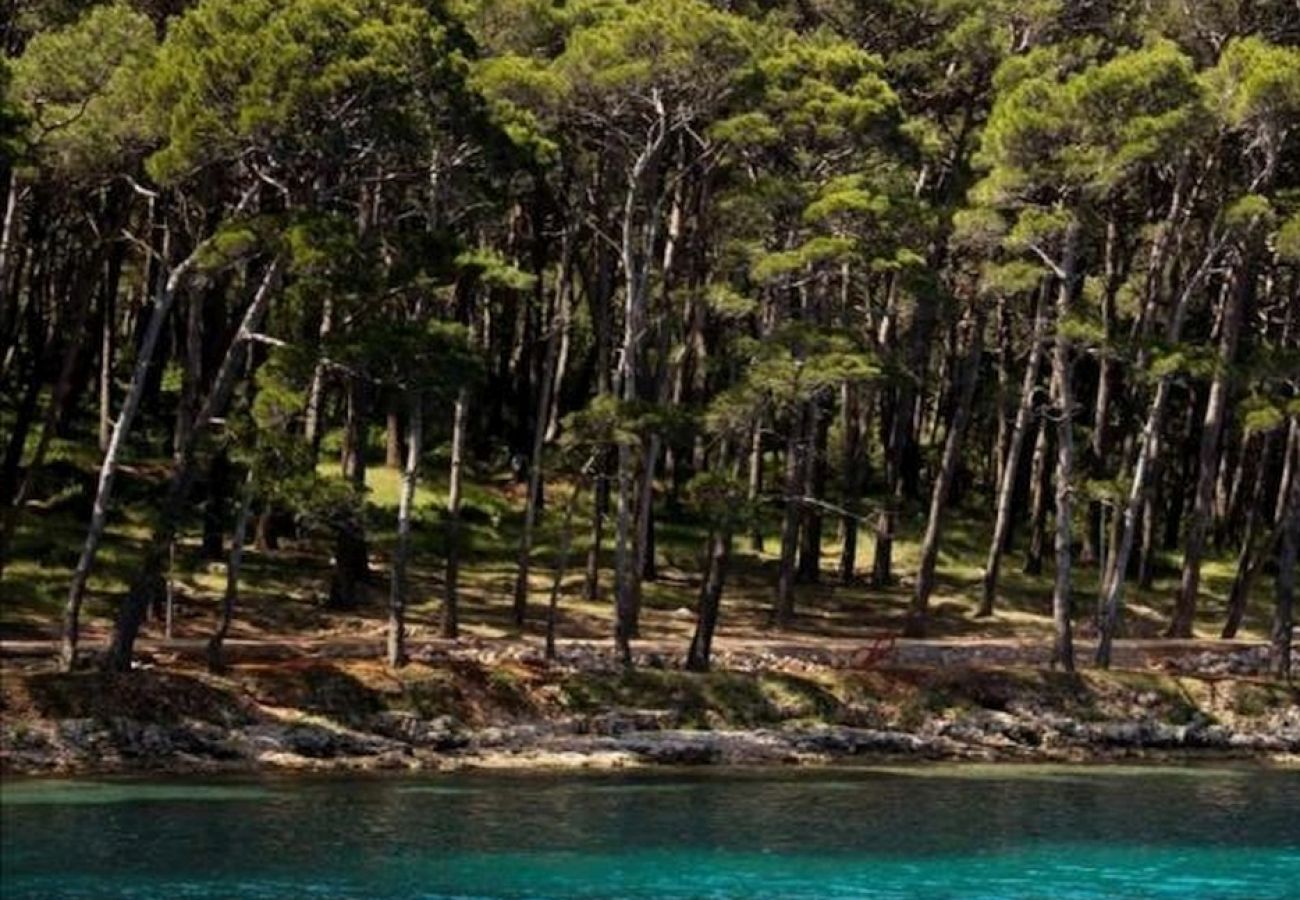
<point x="925" y="832"/>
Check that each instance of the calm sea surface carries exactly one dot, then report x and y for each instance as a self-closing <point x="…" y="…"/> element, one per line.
<point x="923" y="832"/>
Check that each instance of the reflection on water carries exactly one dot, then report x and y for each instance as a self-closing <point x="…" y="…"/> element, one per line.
<point x="951" y="831"/>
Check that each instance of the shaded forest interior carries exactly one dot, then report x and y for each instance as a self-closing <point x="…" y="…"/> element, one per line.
<point x="657" y="320"/>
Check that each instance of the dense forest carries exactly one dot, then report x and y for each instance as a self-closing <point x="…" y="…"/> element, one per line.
<point x="796" y="275"/>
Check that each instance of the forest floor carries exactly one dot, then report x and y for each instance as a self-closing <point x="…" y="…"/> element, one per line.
<point x="307" y="687"/>
<point x="282" y="588"/>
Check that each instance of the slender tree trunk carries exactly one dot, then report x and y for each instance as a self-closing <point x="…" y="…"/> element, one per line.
<point x="810" y="551"/>
<point x="1249" y="555"/>
<point x="351" y="549"/>
<point x="1038" y="482"/>
<point x="233" y="569"/>
<point x="1289" y="549"/>
<point x="783" y="613"/>
<point x="451" y="583"/>
<point x="918" y="614"/>
<point x="1063" y="647"/>
<point x="561" y="567"/>
<point x="108" y="468"/>
<point x="636" y="293"/>
<point x="533" y="501"/>
<point x="191" y="371"/>
<point x="392" y="436"/>
<point x="599" y="509"/>
<point x="148" y="585"/>
<point x="107" y="350"/>
<point x="710" y="602"/>
<point x="315" y="393"/>
<point x="401" y="556"/>
<point x="1215" y="409"/>
<point x="1011" y="465"/>
<point x="1113" y="606"/>
<point x="215" y="504"/>
<point x="12" y="189"/>
<point x="852" y="482"/>
<point x="756" y="484"/>
<point x="1002" y="437"/>
<point x="1290" y="471"/>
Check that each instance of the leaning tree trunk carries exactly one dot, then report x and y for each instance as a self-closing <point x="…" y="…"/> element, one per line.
<point x="1215" y="409"/>
<point x="233" y="570"/>
<point x="1011" y="465"/>
<point x="149" y="585"/>
<point x="108" y="468"/>
<point x="918" y="614"/>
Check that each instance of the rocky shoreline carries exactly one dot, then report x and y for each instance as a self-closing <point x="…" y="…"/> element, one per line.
<point x="516" y="712"/>
<point x="617" y="739"/>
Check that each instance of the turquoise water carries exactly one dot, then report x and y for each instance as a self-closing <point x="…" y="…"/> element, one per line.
<point x="925" y="832"/>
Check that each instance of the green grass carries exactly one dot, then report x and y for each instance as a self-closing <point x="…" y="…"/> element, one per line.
<point x="282" y="589"/>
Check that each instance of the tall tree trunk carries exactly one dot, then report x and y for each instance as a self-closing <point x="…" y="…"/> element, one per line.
<point x="544" y="392"/>
<point x="215" y="504"/>
<point x="852" y="481"/>
<point x="599" y="509"/>
<point x="561" y="566"/>
<point x="918" y="614"/>
<point x="1249" y="555"/>
<point x="1289" y="549"/>
<point x="351" y="548"/>
<point x="1063" y="646"/>
<point x="1112" y="608"/>
<point x="1215" y="408"/>
<point x="233" y="570"/>
<point x="191" y="369"/>
<point x="1002" y="403"/>
<point x="401" y="555"/>
<point x="710" y="602"/>
<point x="1011" y="465"/>
<point x="392" y="435"/>
<point x="451" y="582"/>
<point x="108" y="468"/>
<point x="810" y="549"/>
<point x="108" y="348"/>
<point x="636" y="265"/>
<point x="316" y="391"/>
<point x="783" y="613"/>
<point x="148" y="584"/>
<point x="756" y="484"/>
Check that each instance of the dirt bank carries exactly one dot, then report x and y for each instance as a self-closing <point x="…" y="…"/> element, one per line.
<point x="472" y="708"/>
